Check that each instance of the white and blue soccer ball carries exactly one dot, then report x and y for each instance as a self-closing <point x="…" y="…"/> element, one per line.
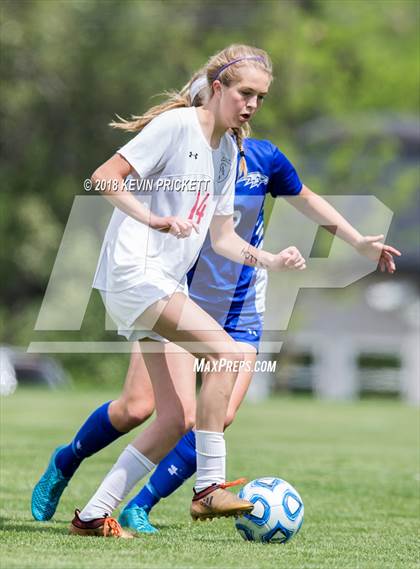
<point x="278" y="511"/>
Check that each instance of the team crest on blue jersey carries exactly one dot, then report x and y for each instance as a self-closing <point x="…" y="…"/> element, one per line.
<point x="254" y="179"/>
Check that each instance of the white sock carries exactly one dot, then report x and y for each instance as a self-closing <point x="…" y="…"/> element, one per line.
<point x="211" y="459"/>
<point x="130" y="467"/>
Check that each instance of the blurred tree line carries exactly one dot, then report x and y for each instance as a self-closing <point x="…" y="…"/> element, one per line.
<point x="67" y="67"/>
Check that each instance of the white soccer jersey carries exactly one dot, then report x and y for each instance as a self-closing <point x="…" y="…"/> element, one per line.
<point x="178" y="174"/>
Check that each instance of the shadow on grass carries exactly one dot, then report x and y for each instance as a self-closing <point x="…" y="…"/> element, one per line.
<point x="60" y="527"/>
<point x="165" y="527"/>
<point x="7" y="525"/>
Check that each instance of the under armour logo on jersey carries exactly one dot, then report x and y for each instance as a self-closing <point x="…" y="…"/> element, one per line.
<point x="254" y="179"/>
<point x="172" y="470"/>
<point x="193" y="155"/>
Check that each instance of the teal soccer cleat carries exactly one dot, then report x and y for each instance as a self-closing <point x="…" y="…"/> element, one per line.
<point x="48" y="490"/>
<point x="136" y="519"/>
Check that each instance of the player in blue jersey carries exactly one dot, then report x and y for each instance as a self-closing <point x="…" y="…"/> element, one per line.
<point x="234" y="296"/>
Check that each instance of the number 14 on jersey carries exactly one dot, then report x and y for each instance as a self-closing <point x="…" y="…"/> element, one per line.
<point x="199" y="207"/>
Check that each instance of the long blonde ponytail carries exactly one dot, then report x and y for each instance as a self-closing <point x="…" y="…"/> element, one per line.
<point x="175" y="100"/>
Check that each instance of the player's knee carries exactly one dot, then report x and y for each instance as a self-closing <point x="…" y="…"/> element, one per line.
<point x="227" y="359"/>
<point x="139" y="413"/>
<point x="134" y="413"/>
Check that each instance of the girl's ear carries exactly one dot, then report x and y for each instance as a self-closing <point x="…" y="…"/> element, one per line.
<point x="217" y="87"/>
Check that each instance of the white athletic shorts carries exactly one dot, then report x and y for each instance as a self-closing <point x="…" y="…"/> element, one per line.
<point x="126" y="307"/>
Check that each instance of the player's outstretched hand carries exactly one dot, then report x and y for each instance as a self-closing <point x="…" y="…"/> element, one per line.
<point x="371" y="246"/>
<point x="289" y="259"/>
<point x="177" y="226"/>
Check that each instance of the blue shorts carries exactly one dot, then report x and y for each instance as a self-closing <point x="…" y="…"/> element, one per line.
<point x="249" y="336"/>
<point x="245" y="326"/>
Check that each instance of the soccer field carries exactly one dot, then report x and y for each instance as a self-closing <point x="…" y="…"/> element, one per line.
<point x="355" y="466"/>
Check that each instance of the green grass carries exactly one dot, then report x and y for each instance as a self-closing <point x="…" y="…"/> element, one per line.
<point x="355" y="465"/>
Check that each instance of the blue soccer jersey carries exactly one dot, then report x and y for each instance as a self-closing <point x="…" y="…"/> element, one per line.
<point x="233" y="293"/>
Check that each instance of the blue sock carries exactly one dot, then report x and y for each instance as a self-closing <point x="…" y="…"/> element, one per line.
<point x="95" y="434"/>
<point x="171" y="472"/>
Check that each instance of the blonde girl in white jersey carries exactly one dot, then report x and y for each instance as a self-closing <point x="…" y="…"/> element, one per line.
<point x="149" y="247"/>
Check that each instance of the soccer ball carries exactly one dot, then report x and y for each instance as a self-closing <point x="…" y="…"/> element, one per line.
<point x="278" y="512"/>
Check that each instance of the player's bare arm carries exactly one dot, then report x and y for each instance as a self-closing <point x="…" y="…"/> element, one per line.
<point x="319" y="210"/>
<point x="226" y="242"/>
<point x="116" y="169"/>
